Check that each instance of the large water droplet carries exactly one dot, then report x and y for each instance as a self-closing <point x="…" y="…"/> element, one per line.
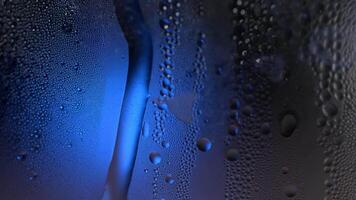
<point x="288" y="125"/>
<point x="290" y="191"/>
<point x="232" y="154"/>
<point x="155" y="158"/>
<point x="204" y="144"/>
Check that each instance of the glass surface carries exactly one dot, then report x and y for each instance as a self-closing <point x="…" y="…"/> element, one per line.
<point x="177" y="100"/>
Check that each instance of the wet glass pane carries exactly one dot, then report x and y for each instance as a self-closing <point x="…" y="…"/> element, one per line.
<point x="177" y="100"/>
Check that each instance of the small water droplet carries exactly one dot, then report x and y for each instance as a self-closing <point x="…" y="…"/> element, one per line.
<point x="145" y="129"/>
<point x="329" y="109"/>
<point x="163" y="106"/>
<point x="169" y="179"/>
<point x="285" y="170"/>
<point x="165" y="144"/>
<point x="234" y="130"/>
<point x="21" y="156"/>
<point x="33" y="176"/>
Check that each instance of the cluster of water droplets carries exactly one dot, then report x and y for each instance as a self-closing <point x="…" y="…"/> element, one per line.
<point x="191" y="144"/>
<point x="256" y="67"/>
<point x="48" y="73"/>
<point x="170" y="24"/>
<point x="331" y="52"/>
<point x="25" y="77"/>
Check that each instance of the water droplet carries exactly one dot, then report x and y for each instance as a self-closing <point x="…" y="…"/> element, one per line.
<point x="165" y="144"/>
<point x="232" y="154"/>
<point x="155" y="158"/>
<point x="247" y="110"/>
<point x="288" y="125"/>
<point x="204" y="144"/>
<point x="290" y="191"/>
<point x="265" y="128"/>
<point x="163" y="106"/>
<point x="33" y="176"/>
<point x="145" y="130"/>
<point x="235" y="104"/>
<point x="169" y="179"/>
<point x="234" y="130"/>
<point x="285" y="170"/>
<point x="21" y="156"/>
<point x="329" y="109"/>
